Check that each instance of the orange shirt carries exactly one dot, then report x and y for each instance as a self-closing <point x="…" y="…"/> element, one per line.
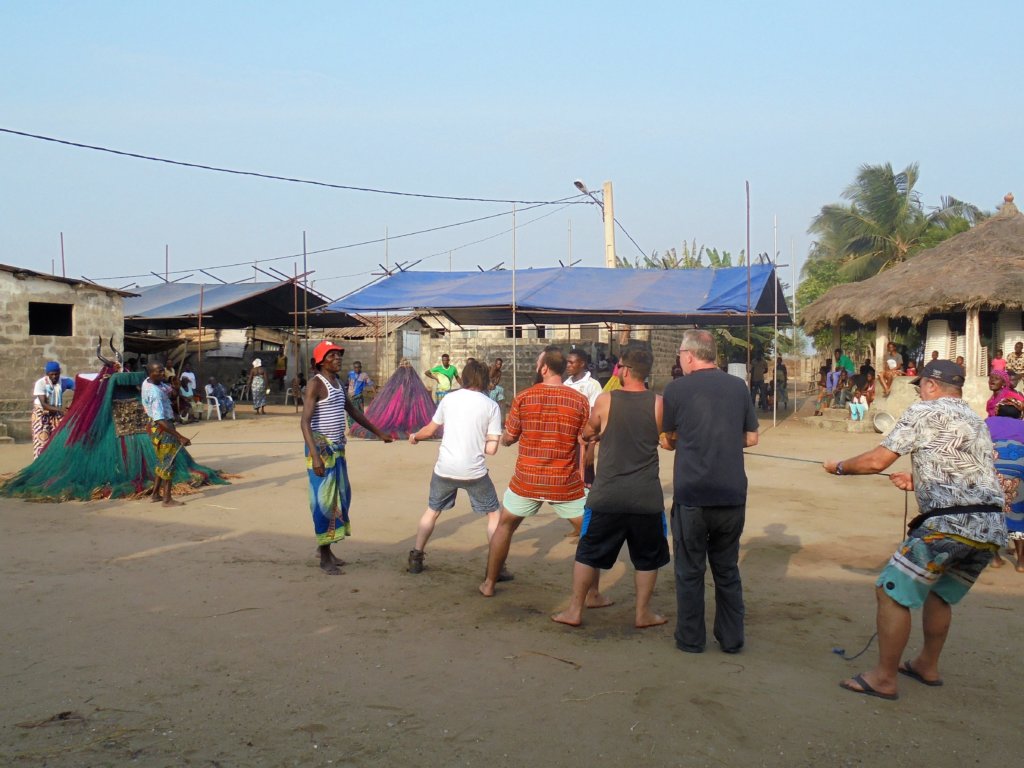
<point x="548" y="420"/>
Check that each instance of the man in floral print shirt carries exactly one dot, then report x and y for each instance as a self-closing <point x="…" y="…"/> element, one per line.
<point x="959" y="530"/>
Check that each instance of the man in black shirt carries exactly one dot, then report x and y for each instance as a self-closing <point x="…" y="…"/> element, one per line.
<point x="709" y="419"/>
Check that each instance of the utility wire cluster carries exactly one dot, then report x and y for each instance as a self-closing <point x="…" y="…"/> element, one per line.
<point x="531" y="204"/>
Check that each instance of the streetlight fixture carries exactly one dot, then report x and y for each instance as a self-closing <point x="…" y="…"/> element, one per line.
<point x="608" y="214"/>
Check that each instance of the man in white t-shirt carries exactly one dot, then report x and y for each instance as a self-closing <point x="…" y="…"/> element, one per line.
<point x="579" y="377"/>
<point x="472" y="428"/>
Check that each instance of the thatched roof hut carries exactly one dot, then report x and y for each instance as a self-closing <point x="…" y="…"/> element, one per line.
<point x="982" y="268"/>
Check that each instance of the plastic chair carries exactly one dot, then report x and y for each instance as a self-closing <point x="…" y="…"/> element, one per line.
<point x="212" y="406"/>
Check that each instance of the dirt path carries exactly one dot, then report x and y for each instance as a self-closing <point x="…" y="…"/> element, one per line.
<point x="207" y="636"/>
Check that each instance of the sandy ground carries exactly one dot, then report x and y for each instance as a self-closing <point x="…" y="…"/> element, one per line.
<point x="207" y="636"/>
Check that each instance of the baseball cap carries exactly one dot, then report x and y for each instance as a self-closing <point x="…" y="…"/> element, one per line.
<point x="945" y="371"/>
<point x="321" y="350"/>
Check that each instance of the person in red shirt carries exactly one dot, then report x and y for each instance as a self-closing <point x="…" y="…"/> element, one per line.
<point x="547" y="421"/>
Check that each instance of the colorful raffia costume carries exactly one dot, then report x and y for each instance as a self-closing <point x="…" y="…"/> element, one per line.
<point x="402" y="407"/>
<point x="329" y="495"/>
<point x="104" y="449"/>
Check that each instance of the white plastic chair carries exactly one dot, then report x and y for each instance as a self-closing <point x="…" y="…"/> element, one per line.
<point x="212" y="406"/>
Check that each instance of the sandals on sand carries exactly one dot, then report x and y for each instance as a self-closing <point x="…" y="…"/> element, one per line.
<point x="866" y="688"/>
<point x="913" y="674"/>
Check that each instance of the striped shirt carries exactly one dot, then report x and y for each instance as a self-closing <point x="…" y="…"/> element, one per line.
<point x="548" y="420"/>
<point x="329" y="414"/>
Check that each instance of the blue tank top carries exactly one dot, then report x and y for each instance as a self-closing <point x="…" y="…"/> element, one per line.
<point x="329" y="414"/>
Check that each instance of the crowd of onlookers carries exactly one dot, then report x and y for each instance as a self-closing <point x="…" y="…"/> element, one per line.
<point x="841" y="384"/>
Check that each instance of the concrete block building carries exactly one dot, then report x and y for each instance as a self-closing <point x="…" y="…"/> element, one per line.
<point x="43" y="317"/>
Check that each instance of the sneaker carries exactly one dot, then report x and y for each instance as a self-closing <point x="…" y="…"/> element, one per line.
<point x="415" y="561"/>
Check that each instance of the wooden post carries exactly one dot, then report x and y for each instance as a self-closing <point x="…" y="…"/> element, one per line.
<point x="972" y="350"/>
<point x="881" y="340"/>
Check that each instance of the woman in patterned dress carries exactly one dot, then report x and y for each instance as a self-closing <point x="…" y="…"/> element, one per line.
<point x="258" y="386"/>
<point x="1007" y="429"/>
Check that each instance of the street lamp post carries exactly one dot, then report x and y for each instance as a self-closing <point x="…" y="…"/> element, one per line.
<point x="607" y="207"/>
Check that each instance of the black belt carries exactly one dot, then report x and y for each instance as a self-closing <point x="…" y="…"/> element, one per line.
<point x="966" y="509"/>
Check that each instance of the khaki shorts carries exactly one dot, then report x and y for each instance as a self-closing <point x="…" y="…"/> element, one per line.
<point x="520" y="506"/>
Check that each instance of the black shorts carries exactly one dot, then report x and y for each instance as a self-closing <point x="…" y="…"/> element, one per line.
<point x="604" y="533"/>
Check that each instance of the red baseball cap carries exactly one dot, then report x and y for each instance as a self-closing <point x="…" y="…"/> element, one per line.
<point x="321" y="350"/>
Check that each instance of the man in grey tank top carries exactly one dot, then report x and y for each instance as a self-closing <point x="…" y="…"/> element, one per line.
<point x="625" y="505"/>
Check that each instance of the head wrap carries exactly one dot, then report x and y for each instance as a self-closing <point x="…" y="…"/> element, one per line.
<point x="257" y="363"/>
<point x="53" y="367"/>
<point x="1002" y="375"/>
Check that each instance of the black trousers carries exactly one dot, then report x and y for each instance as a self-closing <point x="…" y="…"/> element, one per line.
<point x="702" y="535"/>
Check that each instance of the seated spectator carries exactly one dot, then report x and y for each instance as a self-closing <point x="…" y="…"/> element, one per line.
<point x="911" y="368"/>
<point x="868" y="387"/>
<point x="892" y="353"/>
<point x="824" y="392"/>
<point x="843" y="390"/>
<point x="832" y="379"/>
<point x="181" y="404"/>
<point x="1014" y="380"/>
<point x="867" y="367"/>
<point x="224" y="401"/>
<point x="889" y="375"/>
<point x="858" y="406"/>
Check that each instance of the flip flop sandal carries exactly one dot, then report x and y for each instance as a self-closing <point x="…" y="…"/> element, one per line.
<point x="866" y="689"/>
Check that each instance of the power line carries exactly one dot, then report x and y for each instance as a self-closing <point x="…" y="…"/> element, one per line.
<point x="273" y="177"/>
<point x="634" y="242"/>
<point x="460" y="247"/>
<point x="566" y="202"/>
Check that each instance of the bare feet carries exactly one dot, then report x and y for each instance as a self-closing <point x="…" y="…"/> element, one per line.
<point x="567" y="618"/>
<point x="997" y="561"/>
<point x="330" y="568"/>
<point x="334" y="559"/>
<point x="486" y="588"/>
<point x="1019" y="568"/>
<point x="599" y="601"/>
<point x="650" y="620"/>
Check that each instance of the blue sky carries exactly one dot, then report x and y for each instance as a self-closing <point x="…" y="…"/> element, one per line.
<point x="677" y="104"/>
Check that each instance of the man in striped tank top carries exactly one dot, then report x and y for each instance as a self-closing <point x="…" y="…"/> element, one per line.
<point x="323" y="430"/>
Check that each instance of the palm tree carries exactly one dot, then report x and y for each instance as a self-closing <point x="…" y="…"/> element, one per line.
<point x="880" y="225"/>
<point x="884" y="223"/>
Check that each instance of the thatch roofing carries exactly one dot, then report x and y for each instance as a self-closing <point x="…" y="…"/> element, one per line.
<point x="982" y="268"/>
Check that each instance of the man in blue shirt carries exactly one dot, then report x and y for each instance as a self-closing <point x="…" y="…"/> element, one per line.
<point x="358" y="383"/>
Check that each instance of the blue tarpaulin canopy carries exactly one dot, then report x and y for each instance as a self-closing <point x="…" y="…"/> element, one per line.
<point x="232" y="305"/>
<point x="581" y="295"/>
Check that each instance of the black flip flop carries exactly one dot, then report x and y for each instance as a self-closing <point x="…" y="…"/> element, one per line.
<point x="866" y="689"/>
<point x="909" y="671"/>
